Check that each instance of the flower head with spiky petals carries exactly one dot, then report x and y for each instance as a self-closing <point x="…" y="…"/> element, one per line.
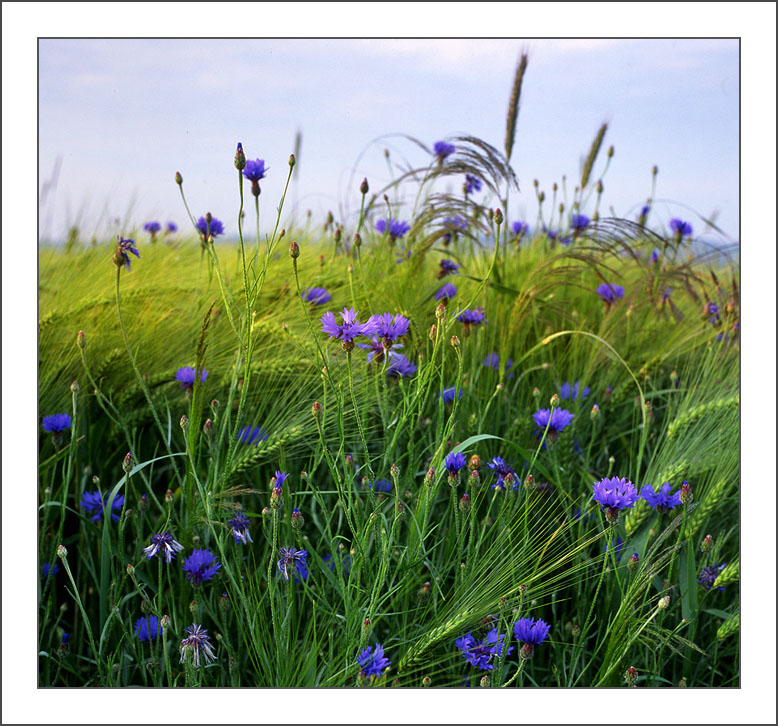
<point x="350" y="328"/>
<point x="171" y="227"/>
<point x="214" y="229"/>
<point x="529" y="630"/>
<point x="148" y="628"/>
<point x="240" y="528"/>
<point x="519" y="228"/>
<point x="447" y="267"/>
<point x="400" y="367"/>
<point x="164" y="545"/>
<point x="579" y="221"/>
<point x="394" y="227"/>
<point x="613" y="495"/>
<point x="454" y="462"/>
<point x="707" y="575"/>
<point x="201" y="566"/>
<point x="662" y="499"/>
<point x="96" y="501"/>
<point x="381" y="486"/>
<point x="293" y="558"/>
<point x="556" y="419"/>
<point x="609" y="293"/>
<point x="373" y="663"/>
<point x="447" y="292"/>
<point x="443" y="149"/>
<point x="570" y="392"/>
<point x="504" y="473"/>
<point x="681" y="228"/>
<point x="280" y="477"/>
<point x="49" y="570"/>
<point x="478" y="653"/>
<point x="449" y="394"/>
<point x="389" y="327"/>
<point x="317" y="295"/>
<point x="186" y="376"/>
<point x="121" y="258"/>
<point x="255" y="170"/>
<point x="198" y="643"/>
<point x="57" y="423"/>
<point x="476" y="316"/>
<point x="472" y="184"/>
<point x="493" y="361"/>
<point x="152" y="228"/>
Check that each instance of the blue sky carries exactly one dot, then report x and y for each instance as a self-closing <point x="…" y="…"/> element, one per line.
<point x="125" y="115"/>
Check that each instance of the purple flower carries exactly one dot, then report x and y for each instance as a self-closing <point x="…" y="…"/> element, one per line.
<point x="615" y="494"/>
<point x="215" y="229"/>
<point x="453" y="225"/>
<point x="373" y="663"/>
<point x="316" y="295"/>
<point x="654" y="258"/>
<point x="350" y="329"/>
<point x="644" y="210"/>
<point x="252" y="435"/>
<point x="555" y="420"/>
<point x="396" y="228"/>
<point x="147" y="628"/>
<point x="382" y="486"/>
<point x="552" y="234"/>
<point x="152" y="228"/>
<point x="171" y="227"/>
<point x="199" y="643"/>
<point x="389" y="327"/>
<point x="164" y="544"/>
<point x="200" y="566"/>
<point x="531" y="631"/>
<point x="681" y="228"/>
<point x="240" y="528"/>
<point x="57" y="423"/>
<point x="478" y="653"/>
<point x="280" y="477"/>
<point x="493" y="361"/>
<point x="376" y="348"/>
<point x="442" y="149"/>
<point x="447" y="292"/>
<point x="571" y="392"/>
<point x="449" y="394"/>
<point x="707" y="575"/>
<point x="49" y="570"/>
<point x="579" y="221"/>
<point x="519" y="228"/>
<point x="291" y="557"/>
<point x="661" y="499"/>
<point x="504" y="473"/>
<point x="609" y="293"/>
<point x="125" y="246"/>
<point x="454" y="462"/>
<point x="472" y="184"/>
<point x="186" y="376"/>
<point x="96" y="502"/>
<point x="472" y="317"/>
<point x="447" y="267"/>
<point x="255" y="170"/>
<point x="400" y="367"/>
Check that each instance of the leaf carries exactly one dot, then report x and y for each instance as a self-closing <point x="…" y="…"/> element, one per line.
<point x="687" y="581"/>
<point x="718" y="613"/>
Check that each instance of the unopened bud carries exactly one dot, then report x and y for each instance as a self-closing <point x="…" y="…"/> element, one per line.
<point x="208" y="427"/>
<point x="394" y="472"/>
<point x="464" y="503"/>
<point x="707" y="544"/>
<point x="338" y="233"/>
<point x="316" y="410"/>
<point x="426" y="682"/>
<point x="292" y="161"/>
<point x="130" y="570"/>
<point x="682" y="683"/>
<point x="554" y="401"/>
<point x="81" y="339"/>
<point x="240" y="158"/>
<point x="276" y="498"/>
<point x="143" y="503"/>
<point x="664" y="602"/>
<point x="599" y="186"/>
<point x="631" y="676"/>
<point x="168" y="496"/>
<point x="62" y="553"/>
<point x="128" y="463"/>
<point x="686" y="494"/>
<point x="542" y="197"/>
<point x="498" y="216"/>
<point x="433" y="331"/>
<point x="224" y="600"/>
<point x="430" y="476"/>
<point x="364" y="187"/>
<point x="193" y="607"/>
<point x="454" y="341"/>
<point x="440" y="311"/>
<point x="484" y="682"/>
<point x="179" y="178"/>
<point x="184" y="423"/>
<point x="74" y="387"/>
<point x="536" y="393"/>
<point x="297" y="519"/>
<point x="655" y="170"/>
<point x="634" y="561"/>
<point x="294" y="250"/>
<point x="400" y="509"/>
<point x="595" y="414"/>
<point x="357" y="240"/>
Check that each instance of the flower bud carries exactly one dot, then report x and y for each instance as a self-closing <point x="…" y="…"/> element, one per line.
<point x="426" y="682"/>
<point x="294" y="250"/>
<point x="130" y="570"/>
<point x="575" y="631"/>
<point x="357" y="240"/>
<point x="184" y="423"/>
<point x="364" y="187"/>
<point x="430" y="476"/>
<point x="193" y="607"/>
<point x="634" y="561"/>
<point x="316" y="410"/>
<point x="143" y="503"/>
<point x="595" y="414"/>
<point x="208" y="427"/>
<point x="224" y="600"/>
<point x="707" y="544"/>
<point x="554" y="401"/>
<point x="527" y="651"/>
<point x="394" y="472"/>
<point x="433" y="332"/>
<point x="297" y="519"/>
<point x="81" y="339"/>
<point x="454" y="342"/>
<point x="240" y="158"/>
<point x="536" y="393"/>
<point x="276" y="498"/>
<point x="498" y="216"/>
<point x="664" y="602"/>
<point x="682" y="683"/>
<point x="474" y="463"/>
<point x="424" y="590"/>
<point x="484" y="682"/>
<point x="168" y="496"/>
<point x="686" y="494"/>
<point x="179" y="178"/>
<point x="292" y="161"/>
<point x="631" y="676"/>
<point x="128" y="463"/>
<point x="400" y="510"/>
<point x="464" y="503"/>
<point x="655" y="170"/>
<point x="440" y="311"/>
<point x="62" y="553"/>
<point x="74" y="387"/>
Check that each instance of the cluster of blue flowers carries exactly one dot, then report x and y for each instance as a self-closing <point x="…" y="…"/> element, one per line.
<point x="482" y="653"/>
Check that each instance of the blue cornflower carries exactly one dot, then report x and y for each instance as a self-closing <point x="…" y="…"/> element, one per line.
<point x="215" y="229"/>
<point x="152" y="228"/>
<point x="493" y="361"/>
<point x="199" y="643"/>
<point x="164" y="544"/>
<point x="618" y="548"/>
<point x="654" y="258"/>
<point x="447" y="267"/>
<point x="713" y="310"/>
<point x="48" y="569"/>
<point x="400" y="367"/>
<point x="453" y="225"/>
<point x="316" y="295"/>
<point x="571" y="392"/>
<point x="291" y="557"/>
<point x="454" y="462"/>
<point x="472" y="184"/>
<point x="610" y="293"/>
<point x="389" y="327"/>
<point x="644" y="210"/>
<point x="373" y="663"/>
<point x="519" y="228"/>
<point x="707" y="575"/>
<point x="251" y="435"/>
<point x="200" y="566"/>
<point x="681" y="228"/>
<point x="57" y="423"/>
<point x="504" y="473"/>
<point x="666" y="294"/>
<point x="171" y="227"/>
<point x="472" y="317"/>
<point x="121" y="258"/>
<point x="376" y="348"/>
<point x="350" y="328"/>
<point x="240" y="528"/>
<point x="382" y="486"/>
<point x="443" y="149"/>
<point x="478" y="653"/>
<point x="255" y="170"/>
<point x="556" y="420"/>
<point x="280" y="477"/>
<point x="531" y="631"/>
<point x="661" y="499"/>
<point x="447" y="292"/>
<point x="186" y="376"/>
<point x="579" y="221"/>
<point x="613" y="495"/>
<point x="147" y="628"/>
<point x="552" y="234"/>
<point x="396" y="228"/>
<point x="96" y="501"/>
<point x="449" y="394"/>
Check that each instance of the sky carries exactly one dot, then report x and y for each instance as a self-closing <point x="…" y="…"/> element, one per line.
<point x="119" y="117"/>
<point x="675" y="107"/>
